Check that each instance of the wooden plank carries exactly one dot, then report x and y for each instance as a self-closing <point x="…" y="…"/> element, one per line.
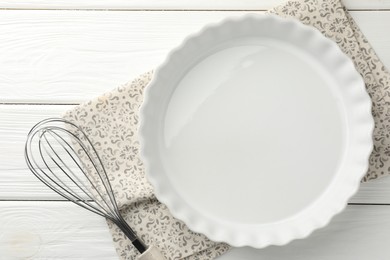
<point x="72" y="56"/>
<point x="373" y="192"/>
<point x="16" y="180"/>
<point x="360" y="232"/>
<point x="174" y="4"/>
<point x="61" y="230"/>
<point x="18" y="183"/>
<point x="68" y="57"/>
<point x="48" y="230"/>
<point x="374" y="25"/>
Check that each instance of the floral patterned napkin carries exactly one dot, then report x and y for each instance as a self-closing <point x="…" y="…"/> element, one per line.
<point x="111" y="122"/>
<point x="332" y="19"/>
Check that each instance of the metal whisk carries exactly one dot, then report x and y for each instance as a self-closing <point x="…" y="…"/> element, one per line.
<point x="61" y="155"/>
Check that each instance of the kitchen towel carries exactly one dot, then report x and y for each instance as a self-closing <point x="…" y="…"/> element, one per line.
<point x="111" y="122"/>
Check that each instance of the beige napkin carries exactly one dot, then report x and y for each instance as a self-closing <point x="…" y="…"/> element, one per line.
<point x="111" y="121"/>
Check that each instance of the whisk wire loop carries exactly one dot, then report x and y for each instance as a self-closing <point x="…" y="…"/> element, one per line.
<point x="66" y="161"/>
<point x="109" y="206"/>
<point x="76" y="198"/>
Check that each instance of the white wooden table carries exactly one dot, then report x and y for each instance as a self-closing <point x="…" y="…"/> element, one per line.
<point x="56" y="54"/>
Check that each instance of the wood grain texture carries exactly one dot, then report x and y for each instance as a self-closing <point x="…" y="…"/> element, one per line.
<point x="374" y="192"/>
<point x="48" y="230"/>
<point x="375" y="25"/>
<point x="69" y="57"/>
<point x="16" y="180"/>
<point x="18" y="183"/>
<point x="174" y="4"/>
<point x="61" y="230"/>
<point x="72" y="56"/>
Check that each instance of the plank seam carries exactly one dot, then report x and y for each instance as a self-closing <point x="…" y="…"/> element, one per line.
<point x="131" y="10"/>
<point x="167" y="10"/>
<point x="63" y="200"/>
<point x="37" y="104"/>
<point x="368" y="204"/>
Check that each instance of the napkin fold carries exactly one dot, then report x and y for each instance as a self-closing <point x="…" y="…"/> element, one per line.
<point x="111" y="122"/>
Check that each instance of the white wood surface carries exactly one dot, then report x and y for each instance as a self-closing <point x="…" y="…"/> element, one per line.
<point x="174" y="4"/>
<point x="52" y="230"/>
<point x="68" y="57"/>
<point x="53" y="59"/>
<point x="61" y="231"/>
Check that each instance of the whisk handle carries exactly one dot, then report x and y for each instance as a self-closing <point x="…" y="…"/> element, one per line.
<point x="152" y="253"/>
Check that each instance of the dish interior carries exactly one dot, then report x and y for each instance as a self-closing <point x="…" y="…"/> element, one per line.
<point x="254" y="131"/>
